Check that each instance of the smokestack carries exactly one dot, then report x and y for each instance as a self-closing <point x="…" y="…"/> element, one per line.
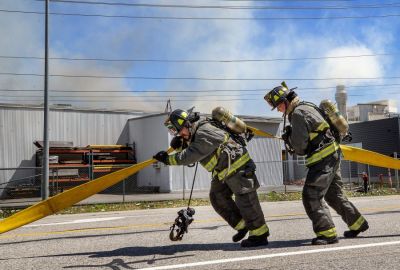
<point x="341" y="99"/>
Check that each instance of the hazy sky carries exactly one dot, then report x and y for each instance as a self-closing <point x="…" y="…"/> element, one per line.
<point x="275" y="35"/>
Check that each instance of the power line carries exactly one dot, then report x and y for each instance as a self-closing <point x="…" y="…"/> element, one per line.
<point x="141" y="101"/>
<point x="55" y="99"/>
<point x="204" y="18"/>
<point x="286" y="0"/>
<point x="322" y="1"/>
<point x="130" y="96"/>
<point x="196" y="78"/>
<point x="199" y="60"/>
<point x="300" y="89"/>
<point x="372" y="6"/>
<point x="143" y="97"/>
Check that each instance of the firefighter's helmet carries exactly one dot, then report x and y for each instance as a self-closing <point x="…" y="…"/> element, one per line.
<point x="276" y="96"/>
<point x="176" y="120"/>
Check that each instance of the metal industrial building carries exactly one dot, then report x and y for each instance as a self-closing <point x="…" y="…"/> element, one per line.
<point x="381" y="136"/>
<point x="20" y="126"/>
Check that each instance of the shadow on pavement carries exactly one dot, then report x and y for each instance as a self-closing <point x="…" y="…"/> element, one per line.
<point x="211" y="228"/>
<point x="117" y="264"/>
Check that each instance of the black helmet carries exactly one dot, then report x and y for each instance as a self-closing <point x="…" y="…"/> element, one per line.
<point x="279" y="94"/>
<point x="176" y="120"/>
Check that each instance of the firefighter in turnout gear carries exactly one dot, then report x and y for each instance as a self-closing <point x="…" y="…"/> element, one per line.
<point x="233" y="172"/>
<point x="311" y="135"/>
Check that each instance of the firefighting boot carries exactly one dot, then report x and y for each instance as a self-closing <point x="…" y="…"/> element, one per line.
<point x="240" y="235"/>
<point x="322" y="240"/>
<point x="354" y="233"/>
<point x="255" y="240"/>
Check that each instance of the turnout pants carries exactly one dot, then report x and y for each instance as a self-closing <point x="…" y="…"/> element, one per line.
<point x="245" y="210"/>
<point x="324" y="182"/>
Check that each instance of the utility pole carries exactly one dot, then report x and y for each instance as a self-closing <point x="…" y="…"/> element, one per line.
<point x="45" y="161"/>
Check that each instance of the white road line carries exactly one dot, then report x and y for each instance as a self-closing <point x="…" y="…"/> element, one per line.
<point x="284" y="254"/>
<point x="76" y="221"/>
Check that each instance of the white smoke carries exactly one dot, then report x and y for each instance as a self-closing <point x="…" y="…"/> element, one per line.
<point x="357" y="67"/>
<point x="184" y="39"/>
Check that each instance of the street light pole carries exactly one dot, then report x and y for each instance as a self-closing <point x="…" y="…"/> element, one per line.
<point x="45" y="161"/>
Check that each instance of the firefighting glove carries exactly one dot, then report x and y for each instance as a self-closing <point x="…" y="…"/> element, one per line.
<point x="249" y="135"/>
<point x="176" y="142"/>
<point x="348" y="137"/>
<point x="162" y="156"/>
<point x="287" y="131"/>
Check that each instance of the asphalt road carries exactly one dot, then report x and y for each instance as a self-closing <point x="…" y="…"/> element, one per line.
<point x="139" y="240"/>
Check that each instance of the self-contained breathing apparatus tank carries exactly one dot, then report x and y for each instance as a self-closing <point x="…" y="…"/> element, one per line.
<point x="334" y="116"/>
<point x="234" y="123"/>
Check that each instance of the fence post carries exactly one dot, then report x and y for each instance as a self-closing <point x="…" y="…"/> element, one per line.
<point x="123" y="191"/>
<point x="183" y="183"/>
<point x="369" y="178"/>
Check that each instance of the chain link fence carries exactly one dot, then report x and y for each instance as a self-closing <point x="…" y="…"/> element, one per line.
<point x="19" y="185"/>
<point x="295" y="171"/>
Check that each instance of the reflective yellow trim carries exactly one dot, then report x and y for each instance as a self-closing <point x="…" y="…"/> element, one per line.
<point x="318" y="156"/>
<point x="240" y="225"/>
<point x="172" y="160"/>
<point x="259" y="231"/>
<point x="236" y="165"/>
<point x="357" y="224"/>
<point x="276" y="97"/>
<point x="324" y="125"/>
<point x="211" y="163"/>
<point x="328" y="233"/>
<point x="226" y="138"/>
<point x="180" y="121"/>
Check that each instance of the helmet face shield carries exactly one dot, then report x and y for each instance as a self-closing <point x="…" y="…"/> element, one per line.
<point x="171" y="128"/>
<point x="176" y="121"/>
<point x="269" y="100"/>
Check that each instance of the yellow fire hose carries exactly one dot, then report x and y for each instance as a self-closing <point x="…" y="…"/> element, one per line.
<point x="81" y="192"/>
<point x="352" y="153"/>
<point x="69" y="197"/>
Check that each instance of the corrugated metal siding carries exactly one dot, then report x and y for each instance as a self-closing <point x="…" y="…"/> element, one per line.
<point x="267" y="155"/>
<point x="20" y="127"/>
<point x="381" y="136"/>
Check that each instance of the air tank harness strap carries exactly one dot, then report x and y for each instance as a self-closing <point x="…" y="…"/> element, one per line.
<point x="232" y="168"/>
<point x="210" y="165"/>
<point x="321" y="154"/>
